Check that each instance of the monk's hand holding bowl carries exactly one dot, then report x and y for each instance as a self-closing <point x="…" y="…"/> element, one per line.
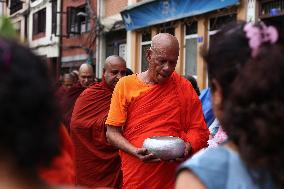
<point x="186" y="152"/>
<point x="144" y="155"/>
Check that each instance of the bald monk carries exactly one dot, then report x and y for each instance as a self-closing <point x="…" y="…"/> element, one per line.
<point x="157" y="102"/>
<point x="97" y="162"/>
<point x="86" y="75"/>
<point x="86" y="78"/>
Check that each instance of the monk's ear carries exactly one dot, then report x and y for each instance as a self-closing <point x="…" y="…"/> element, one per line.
<point x="104" y="70"/>
<point x="149" y="54"/>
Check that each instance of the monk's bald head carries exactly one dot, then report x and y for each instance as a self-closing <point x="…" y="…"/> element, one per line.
<point x="162" y="57"/>
<point x="86" y="75"/>
<point x="113" y="59"/>
<point x="165" y="41"/>
<point x="114" y="69"/>
<point x="86" y="67"/>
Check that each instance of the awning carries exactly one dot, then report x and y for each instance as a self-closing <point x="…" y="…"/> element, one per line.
<point x="112" y="23"/>
<point x="159" y="11"/>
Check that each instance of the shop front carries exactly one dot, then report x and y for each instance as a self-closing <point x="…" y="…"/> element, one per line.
<point x="192" y="22"/>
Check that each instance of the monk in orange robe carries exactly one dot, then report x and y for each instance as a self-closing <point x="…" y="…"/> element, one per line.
<point x="98" y="164"/>
<point x="62" y="168"/>
<point x="157" y="102"/>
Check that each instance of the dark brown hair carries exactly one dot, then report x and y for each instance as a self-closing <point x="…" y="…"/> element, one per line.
<point x="227" y="54"/>
<point x="29" y="118"/>
<point x="253" y="115"/>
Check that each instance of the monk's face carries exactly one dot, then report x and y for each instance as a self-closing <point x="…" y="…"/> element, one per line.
<point x="114" y="71"/>
<point x="67" y="82"/>
<point x="162" y="63"/>
<point x="86" y="77"/>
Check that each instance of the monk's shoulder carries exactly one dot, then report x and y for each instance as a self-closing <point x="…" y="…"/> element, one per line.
<point x="182" y="82"/>
<point x="91" y="90"/>
<point x="127" y="82"/>
<point x="185" y="86"/>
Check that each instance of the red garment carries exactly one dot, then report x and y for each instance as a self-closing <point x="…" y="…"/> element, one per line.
<point x="171" y="109"/>
<point x="60" y="93"/>
<point x="62" y="169"/>
<point x="68" y="101"/>
<point x="97" y="162"/>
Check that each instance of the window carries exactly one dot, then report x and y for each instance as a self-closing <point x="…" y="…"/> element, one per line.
<point x="77" y="20"/>
<point x="39" y="21"/>
<point x="145" y="44"/>
<point x="167" y="28"/>
<point x="116" y="43"/>
<point x="191" y="49"/>
<point x="217" y="22"/>
<point x="15" y="5"/>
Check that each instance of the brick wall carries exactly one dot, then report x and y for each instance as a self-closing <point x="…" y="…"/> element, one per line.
<point x="113" y="7"/>
<point x="76" y="40"/>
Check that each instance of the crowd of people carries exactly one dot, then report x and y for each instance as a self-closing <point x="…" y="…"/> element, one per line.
<point x="90" y="133"/>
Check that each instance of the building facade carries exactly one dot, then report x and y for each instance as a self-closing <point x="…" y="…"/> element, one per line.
<point x="70" y="32"/>
<point x="42" y="31"/>
<point x="35" y="22"/>
<point x="112" y="37"/>
<point x="18" y="11"/>
<point x="78" y="33"/>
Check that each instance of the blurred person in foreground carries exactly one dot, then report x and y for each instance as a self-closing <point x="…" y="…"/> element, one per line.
<point x="97" y="162"/>
<point x="29" y="119"/>
<point x="157" y="102"/>
<point x="251" y="113"/>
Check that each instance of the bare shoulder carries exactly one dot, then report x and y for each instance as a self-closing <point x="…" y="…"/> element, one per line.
<point x="187" y="180"/>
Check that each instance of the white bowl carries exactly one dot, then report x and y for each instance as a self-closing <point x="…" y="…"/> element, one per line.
<point x="165" y="147"/>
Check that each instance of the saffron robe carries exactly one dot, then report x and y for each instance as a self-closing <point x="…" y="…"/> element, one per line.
<point x="62" y="169"/>
<point x="97" y="163"/>
<point x="170" y="109"/>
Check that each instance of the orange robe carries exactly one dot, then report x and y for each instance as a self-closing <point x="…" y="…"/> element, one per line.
<point x="156" y="110"/>
<point x="97" y="163"/>
<point x="62" y="169"/>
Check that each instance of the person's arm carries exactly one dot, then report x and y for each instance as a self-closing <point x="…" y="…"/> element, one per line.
<point x="187" y="180"/>
<point x="114" y="136"/>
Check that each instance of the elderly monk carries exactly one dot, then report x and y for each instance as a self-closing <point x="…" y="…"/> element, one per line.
<point x="86" y="78"/>
<point x="157" y="102"/>
<point x="98" y="163"/>
<point x="86" y="75"/>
